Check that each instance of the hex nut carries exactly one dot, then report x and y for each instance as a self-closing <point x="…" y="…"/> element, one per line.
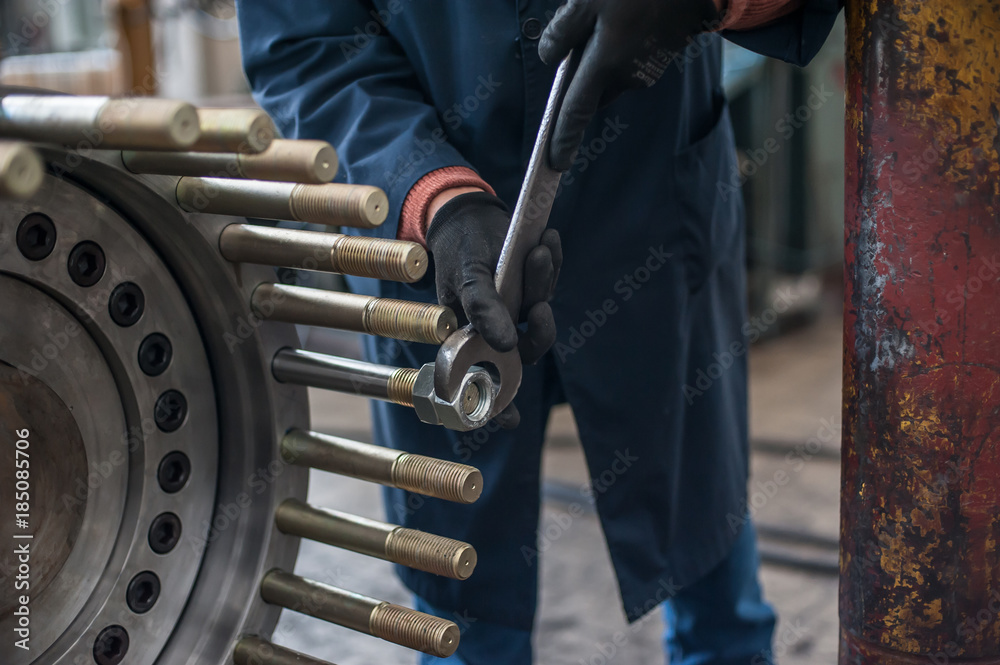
<point x="432" y="409"/>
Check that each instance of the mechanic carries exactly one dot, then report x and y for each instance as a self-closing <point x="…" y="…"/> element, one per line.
<point x="439" y="102"/>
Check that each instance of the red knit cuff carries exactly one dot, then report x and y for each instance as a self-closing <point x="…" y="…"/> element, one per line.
<point x="748" y="14"/>
<point x="413" y="219"/>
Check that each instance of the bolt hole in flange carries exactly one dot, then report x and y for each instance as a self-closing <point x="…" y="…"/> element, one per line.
<point x="103" y="378"/>
<point x="164" y="533"/>
<point x="155" y="354"/>
<point x="86" y="263"/>
<point x="174" y="472"/>
<point x="126" y="304"/>
<point x="36" y="236"/>
<point x="111" y="646"/>
<point x="143" y="592"/>
<point x="170" y="411"/>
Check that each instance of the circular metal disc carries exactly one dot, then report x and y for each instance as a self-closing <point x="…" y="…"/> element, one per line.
<point x="71" y="375"/>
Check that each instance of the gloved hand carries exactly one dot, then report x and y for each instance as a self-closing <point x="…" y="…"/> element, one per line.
<point x="626" y="44"/>
<point x="465" y="238"/>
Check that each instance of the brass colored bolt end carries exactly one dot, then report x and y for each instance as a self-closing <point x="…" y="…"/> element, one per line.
<point x="410" y="321"/>
<point x="434" y="554"/>
<point x="21" y="171"/>
<point x="309" y="162"/>
<point x="472" y="398"/>
<point x="260" y="133"/>
<point x="324" y="160"/>
<point x="395" y="260"/>
<point x="400" y="389"/>
<point x="337" y="204"/>
<point x="151" y="123"/>
<point x="416" y="630"/>
<point x="438" y="478"/>
<point x="246" y="131"/>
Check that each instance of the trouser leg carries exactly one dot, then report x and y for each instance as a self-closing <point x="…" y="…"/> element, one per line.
<point x="722" y="619"/>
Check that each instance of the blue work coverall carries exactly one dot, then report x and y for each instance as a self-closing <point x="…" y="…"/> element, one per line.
<point x="651" y="296"/>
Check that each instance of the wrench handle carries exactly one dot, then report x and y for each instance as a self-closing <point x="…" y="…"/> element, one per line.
<point x="534" y="203"/>
<point x="466" y="347"/>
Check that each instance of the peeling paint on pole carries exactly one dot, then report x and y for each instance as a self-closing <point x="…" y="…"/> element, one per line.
<point x="920" y="508"/>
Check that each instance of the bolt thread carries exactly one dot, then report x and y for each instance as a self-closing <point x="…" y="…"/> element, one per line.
<point x="438" y="478"/>
<point x="360" y="206"/>
<point x="259" y="135"/>
<point x="410" y="321"/>
<point x="394" y="260"/>
<point x="430" y="553"/>
<point x="416" y="630"/>
<point x="400" y="387"/>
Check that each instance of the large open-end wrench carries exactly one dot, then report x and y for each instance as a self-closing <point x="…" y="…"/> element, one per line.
<point x="465" y="353"/>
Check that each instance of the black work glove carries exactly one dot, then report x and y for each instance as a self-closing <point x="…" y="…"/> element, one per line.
<point x="626" y="44"/>
<point x="465" y="238"/>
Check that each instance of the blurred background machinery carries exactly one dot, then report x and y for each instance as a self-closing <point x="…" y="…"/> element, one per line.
<point x="115" y="47"/>
<point x="787" y="121"/>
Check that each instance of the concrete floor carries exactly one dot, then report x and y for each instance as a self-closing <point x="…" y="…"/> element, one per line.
<point x="795" y="401"/>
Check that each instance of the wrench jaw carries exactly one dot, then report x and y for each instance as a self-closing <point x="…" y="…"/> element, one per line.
<point x="442" y="388"/>
<point x="469" y="409"/>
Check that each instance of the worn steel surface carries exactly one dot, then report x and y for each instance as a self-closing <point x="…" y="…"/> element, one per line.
<point x="61" y="336"/>
<point x="920" y="513"/>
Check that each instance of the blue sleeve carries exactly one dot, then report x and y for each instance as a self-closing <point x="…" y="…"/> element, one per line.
<point x="795" y="38"/>
<point x="328" y="69"/>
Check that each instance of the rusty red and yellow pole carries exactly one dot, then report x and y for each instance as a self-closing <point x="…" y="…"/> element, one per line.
<point x="920" y="509"/>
